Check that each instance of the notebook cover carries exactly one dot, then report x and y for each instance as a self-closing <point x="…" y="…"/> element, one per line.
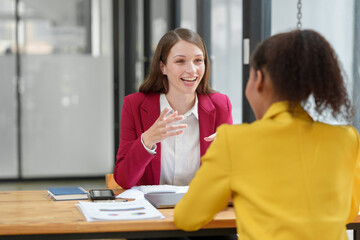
<point x="67" y="190"/>
<point x="68" y="193"/>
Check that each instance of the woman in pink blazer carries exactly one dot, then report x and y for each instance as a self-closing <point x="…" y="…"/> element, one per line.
<point x="169" y="124"/>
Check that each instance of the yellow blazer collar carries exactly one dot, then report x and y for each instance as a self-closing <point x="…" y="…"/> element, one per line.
<point x="283" y="106"/>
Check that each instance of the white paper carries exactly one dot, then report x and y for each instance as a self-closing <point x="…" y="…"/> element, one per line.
<point x="133" y="210"/>
<point x="161" y="189"/>
<point x="182" y="189"/>
<point x="131" y="194"/>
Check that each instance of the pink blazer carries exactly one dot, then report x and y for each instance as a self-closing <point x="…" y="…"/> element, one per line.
<point x="134" y="165"/>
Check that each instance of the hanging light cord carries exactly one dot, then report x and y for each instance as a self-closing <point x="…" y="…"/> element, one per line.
<point x="299" y="14"/>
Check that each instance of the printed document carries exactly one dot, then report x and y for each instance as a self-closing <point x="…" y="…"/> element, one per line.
<point x="140" y="209"/>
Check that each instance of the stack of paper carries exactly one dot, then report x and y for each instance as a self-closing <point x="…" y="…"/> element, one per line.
<point x="139" y="209"/>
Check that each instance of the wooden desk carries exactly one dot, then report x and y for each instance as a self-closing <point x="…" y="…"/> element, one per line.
<point x="32" y="215"/>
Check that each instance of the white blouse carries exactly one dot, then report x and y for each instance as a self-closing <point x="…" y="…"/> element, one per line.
<point x="180" y="155"/>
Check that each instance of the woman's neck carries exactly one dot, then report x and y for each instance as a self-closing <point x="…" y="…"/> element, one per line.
<point x="181" y="102"/>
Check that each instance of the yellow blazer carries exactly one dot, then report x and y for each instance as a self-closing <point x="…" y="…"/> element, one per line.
<point x="289" y="177"/>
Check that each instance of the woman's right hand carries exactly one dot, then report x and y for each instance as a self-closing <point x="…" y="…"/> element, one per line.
<point x="161" y="129"/>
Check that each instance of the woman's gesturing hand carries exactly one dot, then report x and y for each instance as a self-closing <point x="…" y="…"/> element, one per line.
<point x="210" y="138"/>
<point x="161" y="128"/>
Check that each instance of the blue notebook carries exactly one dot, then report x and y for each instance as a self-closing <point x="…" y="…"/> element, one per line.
<point x="68" y="193"/>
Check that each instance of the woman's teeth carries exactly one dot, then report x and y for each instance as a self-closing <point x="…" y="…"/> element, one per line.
<point x="189" y="79"/>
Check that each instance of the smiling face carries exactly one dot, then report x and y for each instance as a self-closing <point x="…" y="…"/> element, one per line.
<point x="184" y="68"/>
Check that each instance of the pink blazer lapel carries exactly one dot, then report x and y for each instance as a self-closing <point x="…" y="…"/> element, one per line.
<point x="207" y="116"/>
<point x="150" y="110"/>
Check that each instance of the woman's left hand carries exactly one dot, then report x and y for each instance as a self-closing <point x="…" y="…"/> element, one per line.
<point x="210" y="138"/>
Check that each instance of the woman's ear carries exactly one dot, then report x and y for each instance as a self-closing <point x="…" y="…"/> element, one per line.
<point x="260" y="78"/>
<point x="162" y="68"/>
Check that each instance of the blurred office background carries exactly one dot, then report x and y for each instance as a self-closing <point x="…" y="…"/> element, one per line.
<point x="65" y="66"/>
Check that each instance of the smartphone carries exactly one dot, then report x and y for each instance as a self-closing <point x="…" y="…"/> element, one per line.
<point x="101" y="194"/>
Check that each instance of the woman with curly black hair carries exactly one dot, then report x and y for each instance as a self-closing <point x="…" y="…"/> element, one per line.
<point x="290" y="177"/>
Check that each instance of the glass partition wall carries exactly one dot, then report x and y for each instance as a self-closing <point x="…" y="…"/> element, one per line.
<point x="8" y="111"/>
<point x="65" y="74"/>
<point x="226" y="45"/>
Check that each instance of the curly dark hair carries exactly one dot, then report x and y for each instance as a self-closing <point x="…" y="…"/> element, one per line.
<point x="302" y="63"/>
